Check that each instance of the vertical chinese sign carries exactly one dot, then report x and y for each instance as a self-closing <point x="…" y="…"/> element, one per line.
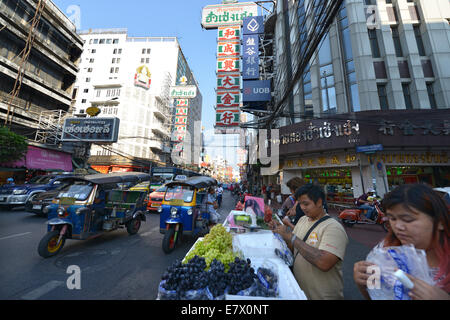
<point x="182" y="94"/>
<point x="228" y="18"/>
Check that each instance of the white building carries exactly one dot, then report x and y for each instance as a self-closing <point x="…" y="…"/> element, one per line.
<point x="129" y="78"/>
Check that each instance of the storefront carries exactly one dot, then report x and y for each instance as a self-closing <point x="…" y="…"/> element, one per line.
<point x="414" y="148"/>
<point x="37" y="161"/>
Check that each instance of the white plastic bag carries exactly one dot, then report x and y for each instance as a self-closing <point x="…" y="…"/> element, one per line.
<point x="283" y="251"/>
<point x="389" y="259"/>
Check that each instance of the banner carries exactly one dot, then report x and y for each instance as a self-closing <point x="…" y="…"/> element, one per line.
<point x="227" y="117"/>
<point x="228" y="49"/>
<point x="229" y="33"/>
<point x="214" y="16"/>
<point x="228" y="99"/>
<point x="227" y="81"/>
<point x="228" y="65"/>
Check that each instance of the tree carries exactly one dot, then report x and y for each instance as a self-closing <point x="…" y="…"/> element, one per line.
<point x="12" y="146"/>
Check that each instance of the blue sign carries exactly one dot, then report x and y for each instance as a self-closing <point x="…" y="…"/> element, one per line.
<point x="250" y="46"/>
<point x="253" y="25"/>
<point x="369" y="149"/>
<point x="250" y="68"/>
<point x="257" y="90"/>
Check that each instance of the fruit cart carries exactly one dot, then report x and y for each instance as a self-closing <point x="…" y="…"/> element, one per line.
<point x="252" y="257"/>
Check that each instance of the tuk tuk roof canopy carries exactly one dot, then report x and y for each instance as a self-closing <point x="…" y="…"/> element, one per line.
<point x="117" y="177"/>
<point x="198" y="182"/>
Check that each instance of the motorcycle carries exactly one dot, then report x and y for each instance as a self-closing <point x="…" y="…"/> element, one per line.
<point x="352" y="216"/>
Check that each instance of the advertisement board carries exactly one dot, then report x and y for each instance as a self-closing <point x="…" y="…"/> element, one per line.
<point x="183" y="92"/>
<point x="218" y="15"/>
<point x="257" y="90"/>
<point x="97" y="130"/>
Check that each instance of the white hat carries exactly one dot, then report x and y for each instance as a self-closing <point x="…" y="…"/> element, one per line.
<point x="370" y="190"/>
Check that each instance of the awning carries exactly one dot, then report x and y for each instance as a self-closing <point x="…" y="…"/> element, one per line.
<point x="43" y="159"/>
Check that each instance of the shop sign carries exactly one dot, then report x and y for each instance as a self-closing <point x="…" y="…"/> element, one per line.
<point x="250" y="68"/>
<point x="250" y="46"/>
<point x="91" y="130"/>
<point x="257" y="90"/>
<point x="227" y="117"/>
<point x="228" y="65"/>
<point x="183" y="92"/>
<point x="338" y="160"/>
<point x="229" y="33"/>
<point x="181" y="112"/>
<point x="253" y="25"/>
<point x="182" y="103"/>
<point x="180" y="128"/>
<point x="227" y="81"/>
<point x="180" y="120"/>
<point x="214" y="16"/>
<point x="369" y="149"/>
<point x="228" y="99"/>
<point x="408" y="128"/>
<point x="328" y="130"/>
<point x="412" y="158"/>
<point x="228" y="49"/>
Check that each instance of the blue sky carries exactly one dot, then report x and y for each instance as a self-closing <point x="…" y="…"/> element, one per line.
<point x="179" y="18"/>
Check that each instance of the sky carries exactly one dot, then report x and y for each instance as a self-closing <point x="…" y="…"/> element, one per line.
<point x="171" y="18"/>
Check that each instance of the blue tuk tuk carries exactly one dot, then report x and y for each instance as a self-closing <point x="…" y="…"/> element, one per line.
<point x="92" y="205"/>
<point x="184" y="211"/>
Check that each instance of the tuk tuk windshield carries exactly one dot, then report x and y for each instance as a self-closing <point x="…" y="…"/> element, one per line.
<point x="80" y="190"/>
<point x="185" y="193"/>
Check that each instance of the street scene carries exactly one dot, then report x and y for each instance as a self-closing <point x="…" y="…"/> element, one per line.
<point x="217" y="150"/>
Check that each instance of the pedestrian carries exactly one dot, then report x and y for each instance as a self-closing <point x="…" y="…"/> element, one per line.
<point x="219" y="195"/>
<point x="269" y="191"/>
<point x="318" y="243"/>
<point x="417" y="216"/>
<point x="293" y="184"/>
<point x="212" y="205"/>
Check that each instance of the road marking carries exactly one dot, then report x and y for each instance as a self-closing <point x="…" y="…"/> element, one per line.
<point x="39" y="292"/>
<point x="15" y="235"/>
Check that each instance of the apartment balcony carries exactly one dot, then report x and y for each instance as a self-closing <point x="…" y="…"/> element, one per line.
<point x="160" y="129"/>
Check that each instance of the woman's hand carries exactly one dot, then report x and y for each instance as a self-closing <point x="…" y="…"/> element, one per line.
<point x="292" y="211"/>
<point x="360" y="274"/>
<point x="424" y="291"/>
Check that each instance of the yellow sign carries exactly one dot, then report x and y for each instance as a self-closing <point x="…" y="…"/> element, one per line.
<point x="93" y="111"/>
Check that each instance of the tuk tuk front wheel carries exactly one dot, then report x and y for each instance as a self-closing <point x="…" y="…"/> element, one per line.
<point x="133" y="226"/>
<point x="170" y="240"/>
<point x="49" y="246"/>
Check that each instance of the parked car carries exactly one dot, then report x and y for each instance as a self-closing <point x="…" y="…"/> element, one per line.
<point x="37" y="202"/>
<point x="155" y="199"/>
<point x="18" y="195"/>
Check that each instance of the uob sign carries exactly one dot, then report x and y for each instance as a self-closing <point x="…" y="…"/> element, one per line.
<point x="258" y="90"/>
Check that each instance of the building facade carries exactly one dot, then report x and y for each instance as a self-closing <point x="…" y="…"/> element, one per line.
<point x="130" y="78"/>
<point x="39" y="56"/>
<point x="380" y="77"/>
<point x="49" y="67"/>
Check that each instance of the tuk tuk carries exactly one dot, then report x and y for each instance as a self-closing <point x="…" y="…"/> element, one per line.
<point x="183" y="210"/>
<point x="90" y="206"/>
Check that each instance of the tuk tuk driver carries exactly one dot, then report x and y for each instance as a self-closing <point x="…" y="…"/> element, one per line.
<point x="211" y="206"/>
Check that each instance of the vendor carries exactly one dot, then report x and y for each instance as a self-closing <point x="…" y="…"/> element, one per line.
<point x="318" y="243"/>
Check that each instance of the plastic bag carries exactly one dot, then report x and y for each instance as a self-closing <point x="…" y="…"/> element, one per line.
<point x="389" y="259"/>
<point x="210" y="296"/>
<point x="164" y="294"/>
<point x="249" y="291"/>
<point x="267" y="275"/>
<point x="283" y="251"/>
<point x="194" y="295"/>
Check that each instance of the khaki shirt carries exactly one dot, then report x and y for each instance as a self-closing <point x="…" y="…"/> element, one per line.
<point x="328" y="236"/>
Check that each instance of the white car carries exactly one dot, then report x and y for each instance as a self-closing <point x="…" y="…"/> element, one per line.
<point x="445" y="192"/>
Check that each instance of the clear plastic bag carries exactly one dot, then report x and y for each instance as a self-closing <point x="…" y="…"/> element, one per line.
<point x="283" y="251"/>
<point x="164" y="294"/>
<point x="267" y="275"/>
<point x="210" y="296"/>
<point x="390" y="259"/>
<point x="249" y="291"/>
<point x="195" y="295"/>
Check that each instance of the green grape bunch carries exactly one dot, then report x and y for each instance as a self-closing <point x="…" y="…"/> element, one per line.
<point x="217" y="244"/>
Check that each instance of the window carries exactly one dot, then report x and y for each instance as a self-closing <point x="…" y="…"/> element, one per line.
<point x="111" y="70"/>
<point x="407" y="96"/>
<point x="113" y="60"/>
<point x="85" y="90"/>
<point x="397" y="44"/>
<point x="83" y="100"/>
<point x="97" y="93"/>
<point x="95" y="41"/>
<point x="147" y="60"/>
<point x="120" y="51"/>
<point x="93" y="50"/>
<point x="108" y="41"/>
<point x="118" y="60"/>
<point x="431" y="96"/>
<point x="91" y="60"/>
<point x="374" y="43"/>
<point x="117" y="70"/>
<point x="419" y="41"/>
<point x="102" y="41"/>
<point x="143" y="51"/>
<point x="148" y="51"/>
<point x="115" y="41"/>
<point x="383" y="96"/>
<point x="88" y="79"/>
<point x="142" y="60"/>
<point x="89" y="70"/>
